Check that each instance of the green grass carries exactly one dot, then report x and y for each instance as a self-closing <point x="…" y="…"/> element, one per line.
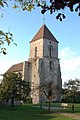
<point x="76" y="108"/>
<point x="68" y="109"/>
<point x="29" y="112"/>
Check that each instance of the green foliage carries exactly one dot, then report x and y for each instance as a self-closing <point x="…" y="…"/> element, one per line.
<point x="71" y="88"/>
<point x="5" y="37"/>
<point x="51" y="6"/>
<point x="13" y="87"/>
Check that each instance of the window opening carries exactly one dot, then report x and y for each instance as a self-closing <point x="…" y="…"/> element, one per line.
<point x="35" y="51"/>
<point x="50" y="51"/>
<point x="50" y="65"/>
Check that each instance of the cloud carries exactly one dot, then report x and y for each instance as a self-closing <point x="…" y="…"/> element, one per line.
<point x="70" y="64"/>
<point x="66" y="53"/>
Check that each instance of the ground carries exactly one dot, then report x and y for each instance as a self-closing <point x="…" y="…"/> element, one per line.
<point x="71" y="115"/>
<point x="33" y="112"/>
<point x="67" y="112"/>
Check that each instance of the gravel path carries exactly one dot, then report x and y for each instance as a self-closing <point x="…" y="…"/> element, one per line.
<point x="71" y="115"/>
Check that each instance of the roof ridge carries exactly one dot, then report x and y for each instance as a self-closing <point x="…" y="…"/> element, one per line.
<point x="44" y="30"/>
<point x="15" y="67"/>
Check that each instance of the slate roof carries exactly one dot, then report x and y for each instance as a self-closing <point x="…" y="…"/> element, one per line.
<point x="44" y="32"/>
<point x="15" y="68"/>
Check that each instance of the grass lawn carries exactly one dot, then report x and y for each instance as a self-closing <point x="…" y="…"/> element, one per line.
<point x="68" y="109"/>
<point x="28" y="112"/>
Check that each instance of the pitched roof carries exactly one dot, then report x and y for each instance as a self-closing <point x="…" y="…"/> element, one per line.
<point x="44" y="32"/>
<point x="15" y="68"/>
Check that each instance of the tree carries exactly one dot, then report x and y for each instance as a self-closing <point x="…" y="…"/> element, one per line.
<point x="47" y="91"/>
<point x="5" y="37"/>
<point x="50" y="91"/>
<point x="71" y="89"/>
<point x="14" y="88"/>
<point x="52" y="6"/>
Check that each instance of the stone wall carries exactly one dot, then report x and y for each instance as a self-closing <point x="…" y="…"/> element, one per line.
<point x="39" y="45"/>
<point x="41" y="74"/>
<point x="26" y="71"/>
<point x="44" y="68"/>
<point x="46" y="45"/>
<point x="47" y="76"/>
<point x="35" y="80"/>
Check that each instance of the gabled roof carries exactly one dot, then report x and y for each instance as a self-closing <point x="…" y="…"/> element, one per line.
<point x="44" y="32"/>
<point x="15" y="68"/>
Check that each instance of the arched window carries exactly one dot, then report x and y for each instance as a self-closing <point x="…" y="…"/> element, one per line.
<point x="50" y="51"/>
<point x="50" y="66"/>
<point x="35" y="51"/>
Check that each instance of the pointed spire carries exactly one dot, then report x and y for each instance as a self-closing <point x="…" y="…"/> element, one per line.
<point x="44" y="32"/>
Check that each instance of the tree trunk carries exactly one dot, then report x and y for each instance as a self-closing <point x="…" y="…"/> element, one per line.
<point x="49" y="105"/>
<point x="73" y="107"/>
<point x="73" y="103"/>
<point x="12" y="101"/>
<point x="41" y="102"/>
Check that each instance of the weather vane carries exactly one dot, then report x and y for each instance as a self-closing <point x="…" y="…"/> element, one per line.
<point x="44" y="18"/>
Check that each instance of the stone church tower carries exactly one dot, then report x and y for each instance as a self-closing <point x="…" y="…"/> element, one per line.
<point x="44" y="62"/>
<point x="43" y="66"/>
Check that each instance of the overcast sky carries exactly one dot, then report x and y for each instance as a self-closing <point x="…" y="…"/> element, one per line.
<point x="24" y="26"/>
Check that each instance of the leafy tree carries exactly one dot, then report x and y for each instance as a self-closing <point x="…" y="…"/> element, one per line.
<point x="23" y="88"/>
<point x="5" y="37"/>
<point x="71" y="89"/>
<point x="51" y="6"/>
<point x="14" y="88"/>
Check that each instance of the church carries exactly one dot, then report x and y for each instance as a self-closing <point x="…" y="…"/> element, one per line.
<point x="43" y="65"/>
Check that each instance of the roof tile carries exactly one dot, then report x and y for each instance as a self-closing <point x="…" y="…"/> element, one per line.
<point x="15" y="68"/>
<point x="44" y="32"/>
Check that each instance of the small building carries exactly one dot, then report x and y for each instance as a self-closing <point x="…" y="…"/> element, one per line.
<point x="43" y="64"/>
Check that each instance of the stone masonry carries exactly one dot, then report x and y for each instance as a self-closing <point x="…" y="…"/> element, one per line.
<point x="43" y="64"/>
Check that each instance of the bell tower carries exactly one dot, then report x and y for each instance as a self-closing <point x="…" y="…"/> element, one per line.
<point x="44" y="61"/>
